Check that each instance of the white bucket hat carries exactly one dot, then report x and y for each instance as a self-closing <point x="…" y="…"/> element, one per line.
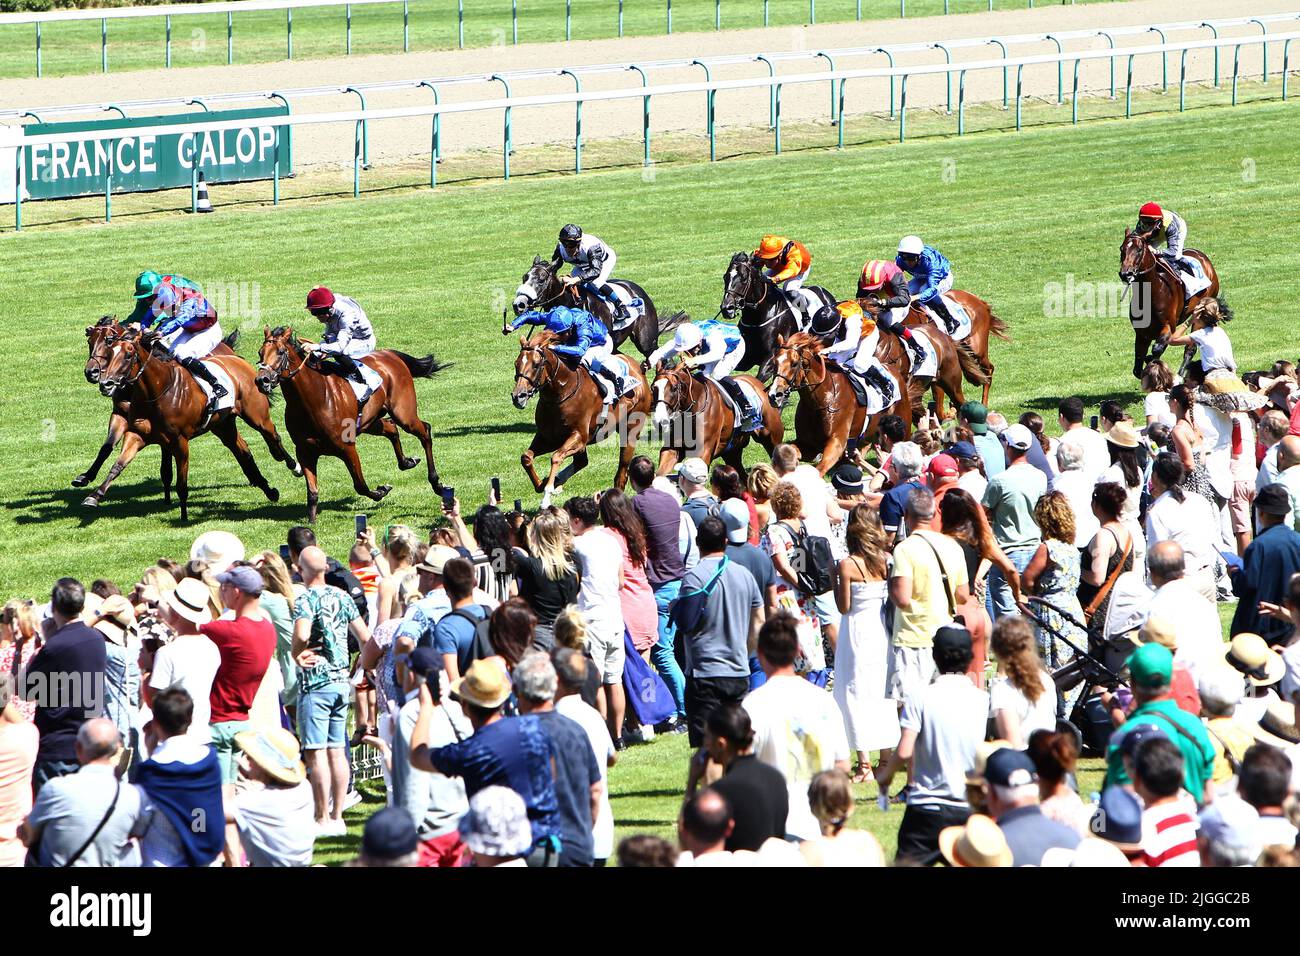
<point x="220" y="549"/>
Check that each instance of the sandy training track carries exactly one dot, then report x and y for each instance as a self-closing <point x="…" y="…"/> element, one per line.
<point x="396" y="140"/>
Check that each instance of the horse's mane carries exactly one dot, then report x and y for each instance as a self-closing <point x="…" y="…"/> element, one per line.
<point x="280" y="330"/>
<point x="803" y="340"/>
<point x="106" y="320"/>
<point x="544" y="339"/>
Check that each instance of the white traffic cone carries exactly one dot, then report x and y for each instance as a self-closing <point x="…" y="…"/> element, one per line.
<point x="204" y="203"/>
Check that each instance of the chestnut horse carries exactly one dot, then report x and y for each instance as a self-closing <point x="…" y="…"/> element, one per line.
<point x="975" y="364"/>
<point x="766" y="311"/>
<point x="829" y="413"/>
<point x="1159" y="300"/>
<point x="97" y="336"/>
<point x="541" y="288"/>
<point x="952" y="362"/>
<point x="570" y="414"/>
<point x="700" y="423"/>
<point x="320" y="410"/>
<point x="167" y="408"/>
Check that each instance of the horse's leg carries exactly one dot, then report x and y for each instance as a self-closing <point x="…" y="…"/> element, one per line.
<point x="410" y="421"/>
<point x="353" y="462"/>
<point x="579" y="462"/>
<point x="634" y="422"/>
<point x="569" y="446"/>
<point x="309" y="459"/>
<point x="386" y="428"/>
<point x="1140" y="346"/>
<point x="230" y="437"/>
<point x="131" y="446"/>
<point x="182" y="452"/>
<point x="165" y="475"/>
<point x="116" y="428"/>
<point x="264" y="426"/>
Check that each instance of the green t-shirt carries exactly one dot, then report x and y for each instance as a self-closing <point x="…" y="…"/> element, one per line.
<point x="277" y="608"/>
<point x="1009" y="499"/>
<point x="1198" y="752"/>
<point x="329" y="610"/>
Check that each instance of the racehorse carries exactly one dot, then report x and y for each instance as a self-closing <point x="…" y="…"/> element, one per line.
<point x="97" y="337"/>
<point x="167" y="408"/>
<point x="829" y="413"/>
<point x="973" y="350"/>
<point x="320" y="410"/>
<point x="1165" y="301"/>
<point x="570" y="414"/>
<point x="701" y="424"/>
<point x="952" y="362"/>
<point x="767" y="312"/>
<point x="541" y="288"/>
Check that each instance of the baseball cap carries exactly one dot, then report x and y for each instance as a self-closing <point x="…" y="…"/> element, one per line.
<point x="1135" y="736"/>
<point x="389" y="835"/>
<point x="942" y="466"/>
<point x="1151" y="665"/>
<point x="1159" y="630"/>
<point x="847" y="478"/>
<point x="963" y="449"/>
<point x="1273" y="499"/>
<point x="424" y="661"/>
<point x="1018" y="436"/>
<point x="1009" y="768"/>
<point x="735" y="515"/>
<point x="694" y="470"/>
<point x="952" y="637"/>
<point x="248" y="580"/>
<point x="436" y="558"/>
<point x="1118" y="818"/>
<point x="977" y="415"/>
<point x="1232" y="822"/>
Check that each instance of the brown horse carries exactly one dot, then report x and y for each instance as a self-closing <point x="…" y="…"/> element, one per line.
<point x="829" y="414"/>
<point x="700" y="423"/>
<point x="167" y="408"/>
<point x="570" y="414"/>
<point x="1159" y="300"/>
<point x="952" y="362"/>
<point x="975" y="365"/>
<point x="320" y="409"/>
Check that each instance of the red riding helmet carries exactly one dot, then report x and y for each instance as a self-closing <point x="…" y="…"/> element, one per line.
<point x="1151" y="210"/>
<point x="319" y="298"/>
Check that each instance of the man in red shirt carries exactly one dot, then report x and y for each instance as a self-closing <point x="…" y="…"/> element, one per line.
<point x="246" y="643"/>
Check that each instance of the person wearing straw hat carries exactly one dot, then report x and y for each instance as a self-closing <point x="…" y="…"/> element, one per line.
<point x="977" y="843"/>
<point x="115" y="619"/>
<point x="1090" y="852"/>
<point x="218" y="549"/>
<point x="272" y="809"/>
<point x="191" y="659"/>
<point x="1267" y="567"/>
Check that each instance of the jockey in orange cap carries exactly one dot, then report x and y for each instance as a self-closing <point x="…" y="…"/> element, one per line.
<point x="884" y="282"/>
<point x="849" y="339"/>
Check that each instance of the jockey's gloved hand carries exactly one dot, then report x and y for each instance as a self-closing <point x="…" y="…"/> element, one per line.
<point x="645" y="365"/>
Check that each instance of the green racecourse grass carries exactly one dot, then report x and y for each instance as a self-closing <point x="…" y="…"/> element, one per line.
<point x="434" y="268"/>
<point x="200" y="39"/>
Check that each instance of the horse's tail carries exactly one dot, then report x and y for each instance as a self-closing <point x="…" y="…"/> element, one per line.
<point x="232" y="340"/>
<point x="972" y="367"/>
<point x="998" y="327"/>
<point x="426" y="367"/>
<point x="670" y="324"/>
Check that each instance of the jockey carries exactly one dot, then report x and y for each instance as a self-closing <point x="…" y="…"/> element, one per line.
<point x="188" y="327"/>
<point x="1164" y="226"/>
<point x="593" y="264"/>
<point x="715" y="348"/>
<point x="849" y="339"/>
<point x="591" y="343"/>
<point x="146" y="287"/>
<point x="785" y="261"/>
<point x="931" y="276"/>
<point x="885" y="283"/>
<point x="348" y="336"/>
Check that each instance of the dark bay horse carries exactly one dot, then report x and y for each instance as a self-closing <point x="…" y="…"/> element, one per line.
<point x="1158" y="302"/>
<point x="766" y="311"/>
<point x="541" y="288"/>
<point x="953" y="361"/>
<point x="976" y="367"/>
<point x="320" y="410"/>
<point x="167" y="408"/>
<point x="700" y="423"/>
<point x="570" y="414"/>
<point x="97" y="339"/>
<point x="829" y="413"/>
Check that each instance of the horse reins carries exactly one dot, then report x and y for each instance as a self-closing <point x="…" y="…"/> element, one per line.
<point x="536" y="383"/>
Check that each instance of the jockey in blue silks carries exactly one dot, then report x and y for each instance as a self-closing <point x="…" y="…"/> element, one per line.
<point x="931" y="277"/>
<point x="590" y="343"/>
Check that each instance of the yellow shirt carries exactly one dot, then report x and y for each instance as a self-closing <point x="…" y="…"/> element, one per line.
<point x="1226" y="730"/>
<point x="914" y="558"/>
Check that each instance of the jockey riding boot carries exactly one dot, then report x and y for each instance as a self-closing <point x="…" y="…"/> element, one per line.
<point x="878" y="380"/>
<point x="731" y="388"/>
<point x="351" y="370"/>
<point x="621" y="313"/>
<point x="909" y="340"/>
<point x="196" y="368"/>
<point x="612" y="385"/>
<point x="940" y="307"/>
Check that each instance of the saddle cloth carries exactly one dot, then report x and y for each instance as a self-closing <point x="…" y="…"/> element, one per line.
<point x="749" y="418"/>
<point x="929" y="366"/>
<point x="373" y="380"/>
<point x="228" y="401"/>
<point x="869" y="397"/>
<point x="958" y="313"/>
<point x="635" y="304"/>
<point x="621" y="365"/>
<point x="1196" y="282"/>
<point x="805" y="303"/>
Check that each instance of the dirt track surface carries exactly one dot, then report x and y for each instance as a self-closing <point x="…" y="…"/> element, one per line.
<point x="409" y="138"/>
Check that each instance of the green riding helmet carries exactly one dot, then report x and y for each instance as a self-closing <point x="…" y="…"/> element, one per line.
<point x="146" y="283"/>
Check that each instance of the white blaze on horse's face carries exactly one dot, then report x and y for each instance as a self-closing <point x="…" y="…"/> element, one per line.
<point x="525" y="296"/>
<point x="662" y="415"/>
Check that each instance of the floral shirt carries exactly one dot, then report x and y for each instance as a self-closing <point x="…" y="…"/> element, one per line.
<point x="330" y="611"/>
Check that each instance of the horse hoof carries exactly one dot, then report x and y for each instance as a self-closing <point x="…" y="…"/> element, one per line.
<point x="90" y="501"/>
<point x="272" y="494"/>
<point x="408" y="463"/>
<point x="297" y="470"/>
<point x="382" y="491"/>
<point x="81" y="481"/>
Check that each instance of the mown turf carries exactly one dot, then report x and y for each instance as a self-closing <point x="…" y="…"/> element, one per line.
<point x="200" y="39"/>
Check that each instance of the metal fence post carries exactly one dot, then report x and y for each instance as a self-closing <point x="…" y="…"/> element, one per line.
<point x="108" y="183"/>
<point x="230" y="37"/>
<point x="1111" y="40"/>
<point x="356" y="161"/>
<point x="840" y="144"/>
<point x="670" y="16"/>
<point x="19" y="179"/>
<point x="1164" y="59"/>
<point x="460" y="24"/>
<point x="505" y="138"/>
<point x="765" y="12"/>
<point x="103" y="45"/>
<point x="514" y="22"/>
<point x="577" y="123"/>
<point x="38" y="48"/>
<point x="365" y="126"/>
<point x="1128" y="89"/>
<point x="890" y="57"/>
<point x="194" y="184"/>
<point x="776" y="127"/>
<point x="1214" y="30"/>
<point x="812" y="12"/>
<point x="771" y="90"/>
<point x="1236" y="60"/>
<point x="568" y="19"/>
<point x="1060" y="71"/>
<point x="347" y="8"/>
<point x="288" y="30"/>
<point x="717" y="14"/>
<point x="1020" y="69"/>
<point x="831" y="64"/>
<point x="902" y="110"/>
<point x="168" y="60"/>
<point x="645" y="114"/>
<point x="1286" y="63"/>
<point x="437" y="134"/>
<point x="947" y="77"/>
<point x="1003" y="47"/>
<point x="1074" y="96"/>
<point x="1182" y="82"/>
<point x="280" y="130"/>
<point x="406" y="26"/>
<point x="620" y="17"/>
<point x="961" y="103"/>
<point x="1263" y="28"/>
<point x="708" y="99"/>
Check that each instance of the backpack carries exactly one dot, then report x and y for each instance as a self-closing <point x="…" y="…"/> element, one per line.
<point x="482" y="646"/>
<point x="689" y="608"/>
<point x="813" y="563"/>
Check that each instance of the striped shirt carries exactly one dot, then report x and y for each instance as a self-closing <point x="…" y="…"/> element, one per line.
<point x="1169" y="834"/>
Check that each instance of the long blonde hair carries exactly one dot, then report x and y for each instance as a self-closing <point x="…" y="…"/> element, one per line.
<point x="19" y="619"/>
<point x="275" y="574"/>
<point x="865" y="538"/>
<point x="1017" y="651"/>
<point x="550" y="541"/>
<point x="402" y="542"/>
<point x="571" y="629"/>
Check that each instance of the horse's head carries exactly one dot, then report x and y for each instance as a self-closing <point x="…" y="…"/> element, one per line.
<point x="279" y="346"/>
<point x="533" y="369"/>
<point x="1135" y="257"/>
<point x="790" y="365"/>
<point x="98" y="339"/>
<point x="535" y="287"/>
<point x="128" y="353"/>
<point x="672" y="392"/>
<point x="740" y="279"/>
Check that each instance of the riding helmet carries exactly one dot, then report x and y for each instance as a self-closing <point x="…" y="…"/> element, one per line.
<point x="146" y="283"/>
<point x="688" y="337"/>
<point x="770" y="247"/>
<point x="319" y="298"/>
<point x="827" y="321"/>
<point x="571" y="233"/>
<point x="910" y="246"/>
<point x="1151" y="210"/>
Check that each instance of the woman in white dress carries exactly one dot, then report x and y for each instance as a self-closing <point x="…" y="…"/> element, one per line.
<point x="862" y="653"/>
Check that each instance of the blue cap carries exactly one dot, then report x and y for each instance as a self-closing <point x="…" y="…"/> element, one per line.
<point x="1009" y="768"/>
<point x="248" y="579"/>
<point x="1118" y="818"/>
<point x="389" y="835"/>
<point x="1134" y="737"/>
<point x="963" y="449"/>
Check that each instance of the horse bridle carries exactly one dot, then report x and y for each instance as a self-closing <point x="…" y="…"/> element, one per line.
<point x="280" y="367"/>
<point x="742" y="297"/>
<point x="138" y="340"/>
<point x="535" y="384"/>
<point x="684" y="387"/>
<point x="554" y="277"/>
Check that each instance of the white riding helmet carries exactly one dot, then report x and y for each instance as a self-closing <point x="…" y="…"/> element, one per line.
<point x="910" y="245"/>
<point x="688" y="337"/>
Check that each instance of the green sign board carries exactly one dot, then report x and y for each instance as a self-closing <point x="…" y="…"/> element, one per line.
<point x="165" y="161"/>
